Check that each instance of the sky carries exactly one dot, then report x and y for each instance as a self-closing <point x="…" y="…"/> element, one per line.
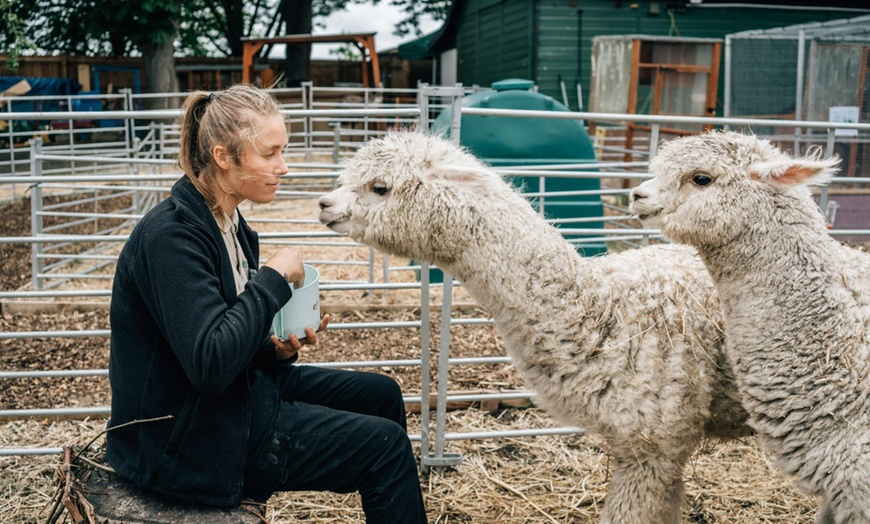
<point x="367" y="18"/>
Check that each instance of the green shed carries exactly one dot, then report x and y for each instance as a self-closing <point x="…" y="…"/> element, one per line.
<point x="550" y="41"/>
<point x="511" y="141"/>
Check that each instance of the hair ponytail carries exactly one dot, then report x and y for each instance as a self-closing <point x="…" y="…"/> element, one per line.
<point x="229" y="118"/>
<point x="193" y="155"/>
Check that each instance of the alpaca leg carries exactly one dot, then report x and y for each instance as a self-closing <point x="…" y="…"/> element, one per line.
<point x="846" y="487"/>
<point x="645" y="491"/>
<point x="825" y="515"/>
<point x="844" y="508"/>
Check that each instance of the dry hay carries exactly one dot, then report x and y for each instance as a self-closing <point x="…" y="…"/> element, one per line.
<point x="532" y="479"/>
<point x="505" y="480"/>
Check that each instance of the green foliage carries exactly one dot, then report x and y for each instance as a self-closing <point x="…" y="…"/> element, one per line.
<point x="12" y="34"/>
<point x="347" y="52"/>
<point x="73" y="27"/>
<point x="198" y="27"/>
<point x="216" y="28"/>
<point x="91" y="27"/>
<point x="415" y="10"/>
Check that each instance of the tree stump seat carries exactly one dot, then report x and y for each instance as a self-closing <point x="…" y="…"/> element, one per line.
<point x="118" y="502"/>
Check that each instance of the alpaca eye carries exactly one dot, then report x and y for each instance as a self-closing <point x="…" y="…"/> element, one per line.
<point x="702" y="180"/>
<point x="379" y="189"/>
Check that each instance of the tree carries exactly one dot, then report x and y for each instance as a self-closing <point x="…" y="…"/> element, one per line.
<point x="222" y="25"/>
<point x="297" y="17"/>
<point x="160" y="29"/>
<point x="106" y="28"/>
<point x="212" y="27"/>
<point x="151" y="26"/>
<point x="217" y="27"/>
<point x="13" y="36"/>
<point x="414" y="10"/>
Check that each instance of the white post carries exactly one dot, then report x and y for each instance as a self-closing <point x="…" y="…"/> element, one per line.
<point x="307" y="125"/>
<point x="440" y="458"/>
<point x="654" y="140"/>
<point x="129" y="125"/>
<point x="799" y="95"/>
<point x="36" y="214"/>
<point x="726" y="106"/>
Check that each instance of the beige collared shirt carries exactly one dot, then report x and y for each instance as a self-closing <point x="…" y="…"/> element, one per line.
<point x="229" y="226"/>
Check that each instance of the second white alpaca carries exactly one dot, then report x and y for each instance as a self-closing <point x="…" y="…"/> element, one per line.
<point x="628" y="346"/>
<point x="796" y="303"/>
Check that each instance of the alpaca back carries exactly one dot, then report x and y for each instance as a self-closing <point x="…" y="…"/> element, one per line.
<point x="796" y="303"/>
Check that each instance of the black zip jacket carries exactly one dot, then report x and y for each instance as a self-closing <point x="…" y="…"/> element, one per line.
<point x="184" y="344"/>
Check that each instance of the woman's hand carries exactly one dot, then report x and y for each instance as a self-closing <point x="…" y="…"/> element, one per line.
<point x="285" y="349"/>
<point x="288" y="262"/>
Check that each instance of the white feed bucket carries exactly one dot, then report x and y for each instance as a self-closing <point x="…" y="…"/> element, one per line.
<point x="302" y="310"/>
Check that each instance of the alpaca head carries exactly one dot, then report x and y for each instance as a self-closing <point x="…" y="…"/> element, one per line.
<point x="708" y="189"/>
<point x="412" y="195"/>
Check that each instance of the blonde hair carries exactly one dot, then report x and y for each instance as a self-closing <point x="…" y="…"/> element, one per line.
<point x="228" y="118"/>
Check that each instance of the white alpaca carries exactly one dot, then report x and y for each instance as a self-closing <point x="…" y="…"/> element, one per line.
<point x="796" y="303"/>
<point x="628" y="346"/>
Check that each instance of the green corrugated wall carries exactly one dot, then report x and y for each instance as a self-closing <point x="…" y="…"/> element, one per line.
<point x="495" y="40"/>
<point x="541" y="39"/>
<point x="558" y="36"/>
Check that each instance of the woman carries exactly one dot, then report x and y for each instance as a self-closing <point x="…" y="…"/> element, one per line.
<point x="207" y="407"/>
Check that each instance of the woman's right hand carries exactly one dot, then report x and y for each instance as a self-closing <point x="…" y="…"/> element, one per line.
<point x="285" y="349"/>
<point x="288" y="262"/>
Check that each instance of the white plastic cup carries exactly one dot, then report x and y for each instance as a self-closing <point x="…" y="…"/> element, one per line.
<point x="302" y="310"/>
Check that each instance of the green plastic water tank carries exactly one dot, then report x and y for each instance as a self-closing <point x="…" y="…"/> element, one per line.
<point x="511" y="141"/>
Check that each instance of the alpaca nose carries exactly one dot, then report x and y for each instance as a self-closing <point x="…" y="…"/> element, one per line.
<point x="638" y="193"/>
<point x="324" y="202"/>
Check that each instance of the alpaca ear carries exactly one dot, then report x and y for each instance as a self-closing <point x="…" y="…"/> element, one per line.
<point x="793" y="171"/>
<point x="460" y="174"/>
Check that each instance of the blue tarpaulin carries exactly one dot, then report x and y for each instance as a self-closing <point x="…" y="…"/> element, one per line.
<point x="40" y="87"/>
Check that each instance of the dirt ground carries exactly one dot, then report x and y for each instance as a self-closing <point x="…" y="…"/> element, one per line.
<point x="505" y="480"/>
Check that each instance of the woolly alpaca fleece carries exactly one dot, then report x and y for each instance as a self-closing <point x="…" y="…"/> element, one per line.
<point x="628" y="346"/>
<point x="796" y="303"/>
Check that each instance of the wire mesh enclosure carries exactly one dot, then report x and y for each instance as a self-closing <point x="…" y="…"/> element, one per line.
<point x="816" y="71"/>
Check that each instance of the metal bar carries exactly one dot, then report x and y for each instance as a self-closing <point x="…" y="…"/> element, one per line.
<point x="7" y="452"/>
<point x="105" y="332"/>
<point x="23" y="452"/>
<point x="654" y="141"/>
<point x="660" y="119"/>
<point x="35" y="219"/>
<point x="799" y="93"/>
<point x="726" y="106"/>
<point x="515" y="433"/>
<point x="65" y="373"/>
<point x="174" y="114"/>
<point x="425" y="372"/>
<point x="56" y="294"/>
<point x="55" y="412"/>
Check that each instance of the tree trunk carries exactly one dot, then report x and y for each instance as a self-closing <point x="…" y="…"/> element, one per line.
<point x="297" y="20"/>
<point x="235" y="28"/>
<point x="160" y="73"/>
<point x="117" y="502"/>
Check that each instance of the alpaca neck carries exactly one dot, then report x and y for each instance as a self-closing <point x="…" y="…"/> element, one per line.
<point x="510" y="261"/>
<point x="778" y="248"/>
<point x="767" y="275"/>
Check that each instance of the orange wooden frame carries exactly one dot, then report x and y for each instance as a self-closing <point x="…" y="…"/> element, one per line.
<point x="712" y="72"/>
<point x="365" y="42"/>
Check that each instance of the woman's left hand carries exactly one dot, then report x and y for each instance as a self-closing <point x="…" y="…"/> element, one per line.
<point x="285" y="349"/>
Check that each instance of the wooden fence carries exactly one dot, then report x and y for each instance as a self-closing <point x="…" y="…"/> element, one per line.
<point x="208" y="73"/>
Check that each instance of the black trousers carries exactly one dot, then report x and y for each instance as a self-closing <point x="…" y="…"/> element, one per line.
<point x="341" y="431"/>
